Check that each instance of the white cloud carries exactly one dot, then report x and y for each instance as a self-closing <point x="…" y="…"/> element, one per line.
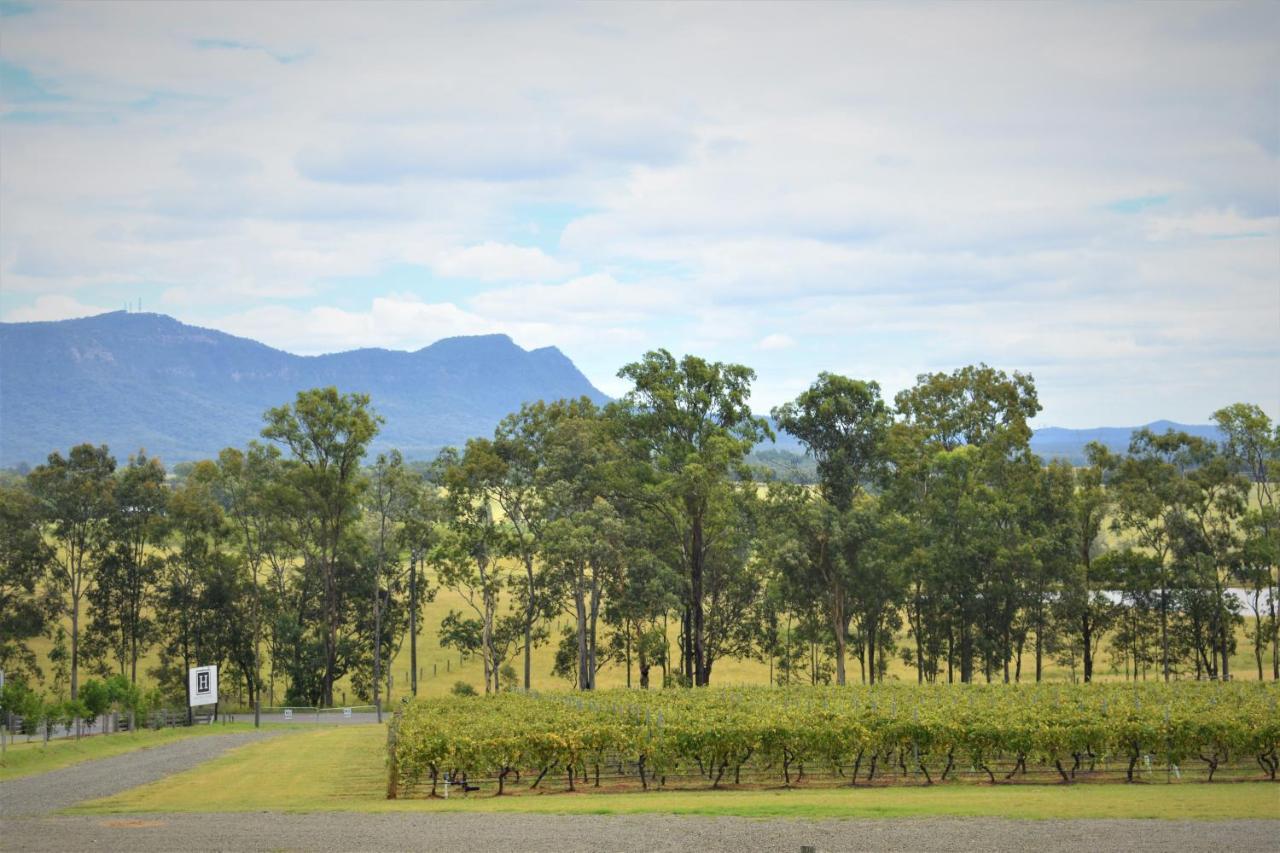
<point x="896" y="205"/>
<point x="52" y="307"/>
<point x="391" y="323"/>
<point x="776" y="341"/>
<point x="500" y="262"/>
<point x="1214" y="224"/>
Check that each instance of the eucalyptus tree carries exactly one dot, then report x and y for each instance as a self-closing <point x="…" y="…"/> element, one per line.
<point x="690" y="420"/>
<point x="120" y="625"/>
<point x="423" y="510"/>
<point x="1067" y="607"/>
<point x="733" y="585"/>
<point x="975" y="405"/>
<point x="1253" y="446"/>
<point x="327" y="434"/>
<point x="518" y="488"/>
<point x="1254" y="568"/>
<point x="583" y="536"/>
<point x="963" y="436"/>
<point x="1207" y="540"/>
<point x="907" y="491"/>
<point x="202" y="608"/>
<point x="649" y="586"/>
<point x="26" y="606"/>
<point x="843" y="424"/>
<point x="1136" y="575"/>
<point x="388" y="499"/>
<point x="1151" y="491"/>
<point x="1090" y="504"/>
<point x="468" y="544"/>
<point x="75" y="495"/>
<point x="247" y="486"/>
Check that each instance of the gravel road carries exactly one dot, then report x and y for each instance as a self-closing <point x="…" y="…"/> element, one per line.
<point x="88" y="780"/>
<point x="631" y="833"/>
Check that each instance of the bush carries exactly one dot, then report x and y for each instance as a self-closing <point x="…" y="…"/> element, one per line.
<point x="95" y="698"/>
<point x="462" y="688"/>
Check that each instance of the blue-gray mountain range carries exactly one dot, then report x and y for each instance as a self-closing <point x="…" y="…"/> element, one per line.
<point x="132" y="381"/>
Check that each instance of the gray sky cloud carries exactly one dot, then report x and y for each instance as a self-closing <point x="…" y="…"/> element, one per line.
<point x="1089" y="192"/>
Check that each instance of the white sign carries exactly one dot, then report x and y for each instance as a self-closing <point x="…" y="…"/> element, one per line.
<point x="202" y="681"/>
<point x="346" y="712"/>
<point x="288" y="713"/>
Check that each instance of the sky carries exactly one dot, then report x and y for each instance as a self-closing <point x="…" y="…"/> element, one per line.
<point x="1086" y="192"/>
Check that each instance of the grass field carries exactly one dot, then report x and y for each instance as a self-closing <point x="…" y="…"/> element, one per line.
<point x="342" y="769"/>
<point x="441" y="668"/>
<point x="24" y="758"/>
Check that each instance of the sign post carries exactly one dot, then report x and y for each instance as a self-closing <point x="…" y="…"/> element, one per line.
<point x="202" y="686"/>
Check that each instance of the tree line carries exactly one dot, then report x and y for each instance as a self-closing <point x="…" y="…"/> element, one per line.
<point x="637" y="534"/>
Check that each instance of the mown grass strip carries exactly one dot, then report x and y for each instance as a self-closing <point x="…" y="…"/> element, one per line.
<point x="342" y="769"/>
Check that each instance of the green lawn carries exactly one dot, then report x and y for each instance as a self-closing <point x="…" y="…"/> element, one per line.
<point x="342" y="769"/>
<point x="23" y="758"/>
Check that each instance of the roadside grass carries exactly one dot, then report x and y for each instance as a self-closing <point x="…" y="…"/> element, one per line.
<point x="343" y="769"/>
<point x="23" y="758"/>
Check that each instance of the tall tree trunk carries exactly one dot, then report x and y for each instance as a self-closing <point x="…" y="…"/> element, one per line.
<point x="686" y="643"/>
<point x="75" y="647"/>
<point x="528" y="621"/>
<point x="872" y="639"/>
<point x="838" y="626"/>
<point x="1273" y="591"/>
<point x="1086" y="636"/>
<point x="919" y="632"/>
<point x="377" y="645"/>
<point x="699" y="636"/>
<point x="1164" y="624"/>
<point x="593" y="617"/>
<point x="413" y="622"/>
<point x="580" y="612"/>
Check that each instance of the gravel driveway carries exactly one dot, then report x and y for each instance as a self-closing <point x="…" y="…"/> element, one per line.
<point x="474" y="833"/>
<point x="88" y="780"/>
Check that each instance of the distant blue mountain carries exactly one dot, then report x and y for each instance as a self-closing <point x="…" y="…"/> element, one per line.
<point x="1059" y="442"/>
<point x="181" y="392"/>
<point x="1069" y="444"/>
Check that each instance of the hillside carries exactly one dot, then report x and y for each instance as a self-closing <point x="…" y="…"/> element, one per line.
<point x="183" y="392"/>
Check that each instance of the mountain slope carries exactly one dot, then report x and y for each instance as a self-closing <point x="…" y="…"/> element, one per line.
<point x="182" y="392"/>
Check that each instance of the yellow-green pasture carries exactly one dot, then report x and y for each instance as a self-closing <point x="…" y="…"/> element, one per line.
<point x="441" y="668"/>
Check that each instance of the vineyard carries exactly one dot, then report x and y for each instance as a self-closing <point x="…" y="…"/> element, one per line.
<point x="718" y="737"/>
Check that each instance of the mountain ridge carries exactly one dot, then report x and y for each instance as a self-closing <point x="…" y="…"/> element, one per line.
<point x="145" y="380"/>
<point x="182" y="392"/>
